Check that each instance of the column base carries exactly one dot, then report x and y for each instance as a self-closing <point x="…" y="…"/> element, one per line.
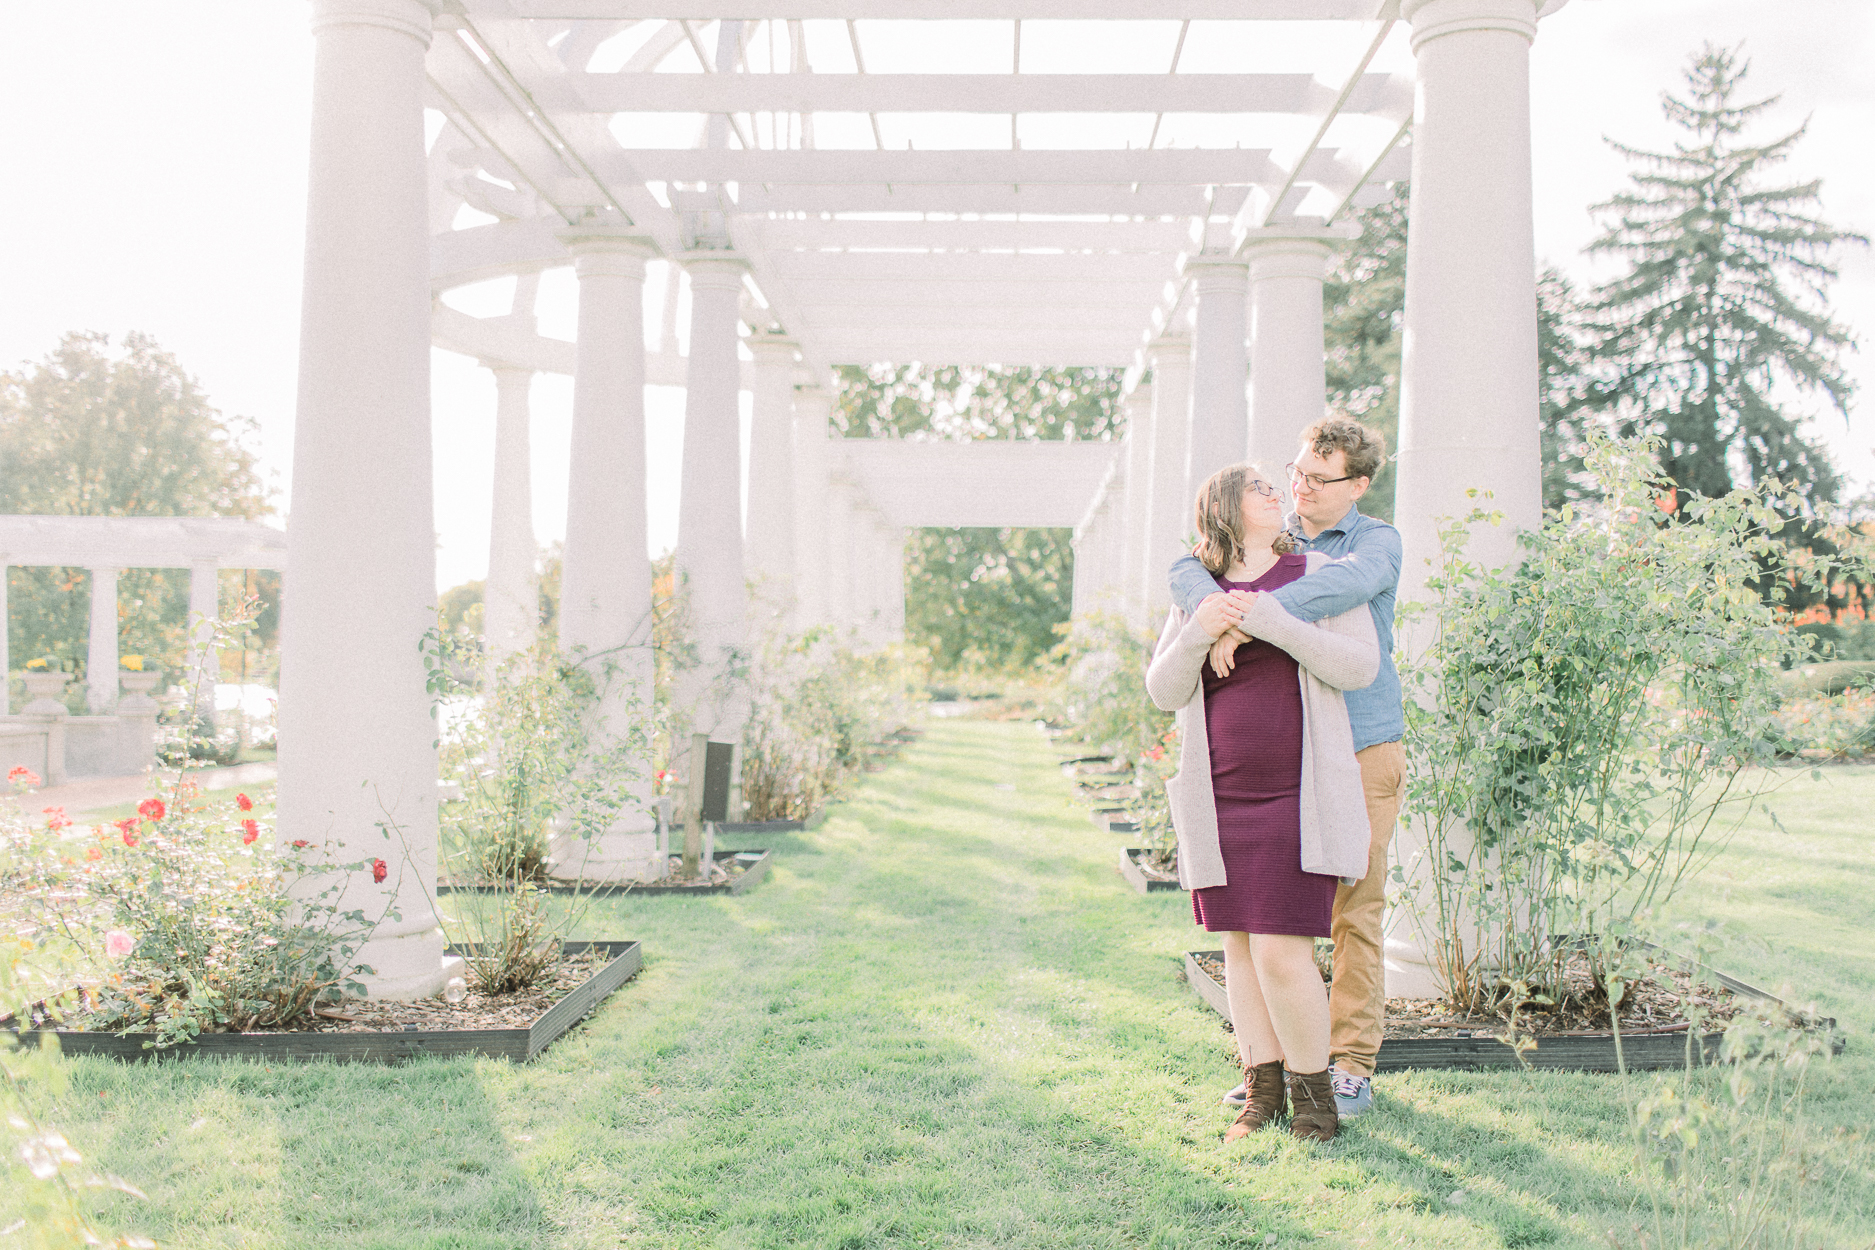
<point x="619" y="855"/>
<point x="408" y="968"/>
<point x="1409" y="972"/>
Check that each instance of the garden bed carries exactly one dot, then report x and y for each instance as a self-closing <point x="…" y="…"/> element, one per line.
<point x="732" y="873"/>
<point x="1142" y="876"/>
<point x="514" y="1026"/>
<point x="1419" y="1033"/>
<point x="814" y="821"/>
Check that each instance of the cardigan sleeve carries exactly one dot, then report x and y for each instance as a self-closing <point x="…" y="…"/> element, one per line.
<point x="1342" y="651"/>
<point x="1177" y="668"/>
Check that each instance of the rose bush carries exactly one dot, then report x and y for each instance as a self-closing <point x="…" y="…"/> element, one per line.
<point x="1584" y="724"/>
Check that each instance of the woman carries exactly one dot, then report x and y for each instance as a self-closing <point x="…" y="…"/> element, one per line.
<point x="1267" y="803"/>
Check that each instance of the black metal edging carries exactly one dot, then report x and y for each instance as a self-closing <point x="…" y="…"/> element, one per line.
<point x="1642" y="1052"/>
<point x="1136" y="877"/>
<point x="381" y="1045"/>
<point x="752" y="874"/>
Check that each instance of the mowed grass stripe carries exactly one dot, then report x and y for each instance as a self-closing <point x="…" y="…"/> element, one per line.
<point x="944" y="1020"/>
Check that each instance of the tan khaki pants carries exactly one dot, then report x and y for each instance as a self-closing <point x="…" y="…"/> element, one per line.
<point x="1357" y="1001"/>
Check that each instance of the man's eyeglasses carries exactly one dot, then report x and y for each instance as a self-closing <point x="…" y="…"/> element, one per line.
<point x="1313" y="482"/>
<point x="1261" y="487"/>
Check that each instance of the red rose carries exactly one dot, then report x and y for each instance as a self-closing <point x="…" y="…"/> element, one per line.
<point x="379" y="871"/>
<point x="244" y="803"/>
<point x="21" y="773"/>
<point x="151" y="809"/>
<point x="249" y="831"/>
<point x="130" y="837"/>
<point x="300" y="844"/>
<point x="56" y="819"/>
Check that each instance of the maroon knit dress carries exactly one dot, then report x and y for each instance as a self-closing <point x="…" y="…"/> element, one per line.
<point x="1254" y="721"/>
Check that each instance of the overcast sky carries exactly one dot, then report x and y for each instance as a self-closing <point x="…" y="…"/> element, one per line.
<point x="154" y="171"/>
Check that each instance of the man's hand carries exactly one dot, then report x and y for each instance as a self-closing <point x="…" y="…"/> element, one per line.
<point x="1218" y="613"/>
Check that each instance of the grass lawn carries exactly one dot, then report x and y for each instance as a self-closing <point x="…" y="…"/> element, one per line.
<point x="945" y="1021"/>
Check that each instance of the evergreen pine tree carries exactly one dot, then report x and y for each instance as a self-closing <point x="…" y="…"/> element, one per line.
<point x="1562" y="364"/>
<point x="1721" y="315"/>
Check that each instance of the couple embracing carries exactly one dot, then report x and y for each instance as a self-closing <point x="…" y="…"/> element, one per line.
<point x="1277" y="657"/>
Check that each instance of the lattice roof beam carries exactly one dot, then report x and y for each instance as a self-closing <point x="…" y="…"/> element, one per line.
<point x="931" y="10"/>
<point x="989" y="93"/>
<point x="1096" y="199"/>
<point x="1187" y="166"/>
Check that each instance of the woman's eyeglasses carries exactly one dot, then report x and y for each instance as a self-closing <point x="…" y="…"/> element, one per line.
<point x="1261" y="487"/>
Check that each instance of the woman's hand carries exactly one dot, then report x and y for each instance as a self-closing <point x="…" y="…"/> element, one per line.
<point x="1218" y="613"/>
<point x="1224" y="652"/>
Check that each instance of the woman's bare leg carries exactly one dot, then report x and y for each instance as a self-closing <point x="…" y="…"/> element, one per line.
<point x="1249" y="1018"/>
<point x="1293" y="1001"/>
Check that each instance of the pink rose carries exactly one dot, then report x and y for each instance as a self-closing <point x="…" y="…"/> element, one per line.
<point x="118" y="944"/>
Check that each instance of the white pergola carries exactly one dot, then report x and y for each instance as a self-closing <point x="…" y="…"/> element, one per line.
<point x="797" y="184"/>
<point x="118" y="735"/>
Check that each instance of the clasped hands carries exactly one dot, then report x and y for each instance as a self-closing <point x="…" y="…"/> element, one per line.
<point x="1221" y="616"/>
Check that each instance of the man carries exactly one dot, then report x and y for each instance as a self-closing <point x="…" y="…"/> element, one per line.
<point x="1331" y="472"/>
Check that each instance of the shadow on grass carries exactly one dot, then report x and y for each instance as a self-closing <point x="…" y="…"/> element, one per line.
<point x="235" y="1152"/>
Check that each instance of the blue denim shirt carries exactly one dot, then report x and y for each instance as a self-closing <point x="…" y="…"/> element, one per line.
<point x="1366" y="569"/>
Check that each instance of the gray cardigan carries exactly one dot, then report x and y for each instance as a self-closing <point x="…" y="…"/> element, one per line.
<point x="1338" y="653"/>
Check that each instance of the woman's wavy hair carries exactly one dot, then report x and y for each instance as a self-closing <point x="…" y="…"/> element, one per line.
<point x="1220" y="517"/>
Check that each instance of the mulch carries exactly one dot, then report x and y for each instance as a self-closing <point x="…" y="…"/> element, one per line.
<point x="477" y="1010"/>
<point x="1654" y="1004"/>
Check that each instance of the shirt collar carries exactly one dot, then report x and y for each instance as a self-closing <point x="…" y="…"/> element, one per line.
<point x="1293" y="524"/>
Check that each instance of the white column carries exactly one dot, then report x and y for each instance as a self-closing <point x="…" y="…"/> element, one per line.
<point x="1468" y="371"/>
<point x="204" y="614"/>
<point x="356" y="754"/>
<point x="605" y="578"/>
<point x="894" y="556"/>
<point x="1138" y="460"/>
<point x="813" y="408"/>
<point x="862" y="546"/>
<point x="1169" y="514"/>
<point x="768" y="537"/>
<point x="1288" y="384"/>
<point x="1219" y="398"/>
<point x="841" y="613"/>
<point x="1468" y="382"/>
<point x="6" y="660"/>
<point x="511" y="596"/>
<point x="101" y="658"/>
<point x="709" y="519"/>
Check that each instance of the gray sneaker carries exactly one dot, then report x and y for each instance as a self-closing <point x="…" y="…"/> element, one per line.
<point x="1354" y="1095"/>
<point x="1235" y="1098"/>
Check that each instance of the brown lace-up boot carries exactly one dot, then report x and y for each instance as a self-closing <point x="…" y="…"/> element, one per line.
<point x="1312" y="1097"/>
<point x="1263" y="1102"/>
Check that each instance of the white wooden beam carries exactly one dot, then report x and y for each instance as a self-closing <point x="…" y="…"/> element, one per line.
<point x="458" y="257"/>
<point x="816" y="234"/>
<point x="994" y="10"/>
<point x="969" y="93"/>
<point x="1097" y="199"/>
<point x="974" y="320"/>
<point x="142" y="542"/>
<point x="1189" y="166"/>
<point x="905" y="267"/>
<point x="1060" y="350"/>
<point x="986" y="483"/>
<point x="1062" y="298"/>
